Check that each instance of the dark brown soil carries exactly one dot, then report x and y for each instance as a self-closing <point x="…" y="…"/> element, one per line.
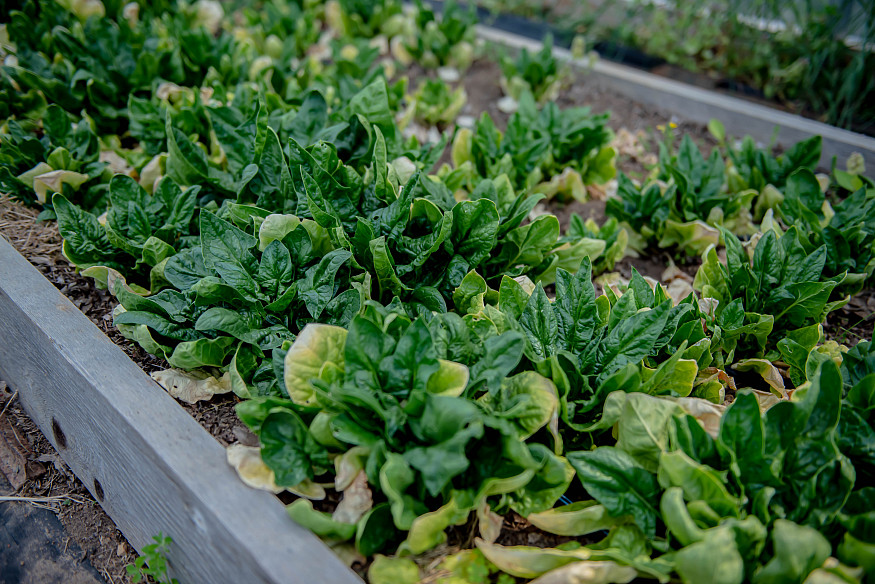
<point x="516" y="530"/>
<point x="85" y="522"/>
<point x="853" y="322"/>
<point x="481" y="83"/>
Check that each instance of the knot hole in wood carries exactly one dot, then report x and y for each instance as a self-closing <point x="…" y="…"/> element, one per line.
<point x="60" y="438"/>
<point x="98" y="491"/>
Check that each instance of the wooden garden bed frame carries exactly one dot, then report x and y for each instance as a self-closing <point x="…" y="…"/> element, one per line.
<point x="151" y="466"/>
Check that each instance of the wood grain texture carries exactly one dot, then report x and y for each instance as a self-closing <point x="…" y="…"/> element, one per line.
<point x="700" y="105"/>
<point x="151" y="466"/>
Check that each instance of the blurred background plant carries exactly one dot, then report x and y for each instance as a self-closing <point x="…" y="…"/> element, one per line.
<point x="815" y="57"/>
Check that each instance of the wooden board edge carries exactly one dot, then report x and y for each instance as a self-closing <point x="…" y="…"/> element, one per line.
<point x="149" y="463"/>
<point x="700" y="105"/>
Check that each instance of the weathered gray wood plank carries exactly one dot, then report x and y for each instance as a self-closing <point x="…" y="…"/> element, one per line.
<point x="700" y="105"/>
<point x="151" y="466"/>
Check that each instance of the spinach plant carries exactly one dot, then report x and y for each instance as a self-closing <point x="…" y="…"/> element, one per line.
<point x="540" y="74"/>
<point x="445" y="41"/>
<point x="382" y="400"/>
<point x="65" y="159"/>
<point x="555" y="151"/>
<point x="758" y="300"/>
<point x="847" y="229"/>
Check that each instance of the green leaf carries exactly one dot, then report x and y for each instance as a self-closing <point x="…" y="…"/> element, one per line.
<point x="714" y="559"/>
<point x="528" y="401"/>
<point x="276" y="226"/>
<point x="450" y="379"/>
<point x="384" y="570"/>
<point x="429" y="530"/>
<point x="574" y="520"/>
<point x="413" y="361"/>
<point x="384" y="266"/>
<point x="548" y="484"/>
<point x="576" y="312"/>
<point x="275" y="269"/>
<point x="186" y="162"/>
<point x="159" y="324"/>
<point x="501" y="355"/>
<point x="375" y="530"/>
<point x="448" y="424"/>
<point x="475" y="228"/>
<point x="677" y="518"/>
<point x="289" y="449"/>
<point x="85" y="241"/>
<point x="225" y="250"/>
<point x="644" y="424"/>
<point x="244" y="365"/>
<point x="619" y="483"/>
<point x="698" y="482"/>
<point x="395" y="477"/>
<point x="512" y="297"/>
<point x="540" y="325"/>
<point x="320" y="283"/>
<point x="468" y="297"/>
<point x="155" y="251"/>
<point x="798" y="550"/>
<point x="201" y="353"/>
<point x="320" y="523"/>
<point x="317" y="353"/>
<point x="528" y="561"/>
<point x="630" y="341"/>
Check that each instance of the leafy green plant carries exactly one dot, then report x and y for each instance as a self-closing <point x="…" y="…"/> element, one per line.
<point x="691" y="195"/>
<point x="702" y="195"/>
<point x="435" y="103"/>
<point x="765" y="293"/>
<point x="65" y="159"/>
<point x="445" y="41"/>
<point x="847" y="229"/>
<point x="152" y="563"/>
<point x="144" y="227"/>
<point x="365" y="18"/>
<point x="540" y="74"/>
<point x="714" y="522"/>
<point x="644" y="210"/>
<point x="555" y="151"/>
<point x="616" y="240"/>
<point x="389" y="403"/>
<point x="755" y="168"/>
<point x="590" y="346"/>
<point x="236" y="295"/>
<point x="101" y="61"/>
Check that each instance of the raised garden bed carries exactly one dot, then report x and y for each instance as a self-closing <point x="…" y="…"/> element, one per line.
<point x="822" y="78"/>
<point x="149" y="464"/>
<point x="701" y="105"/>
<point x="146" y="448"/>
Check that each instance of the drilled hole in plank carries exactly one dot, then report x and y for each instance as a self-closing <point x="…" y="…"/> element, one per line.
<point x="60" y="438"/>
<point x="98" y="491"/>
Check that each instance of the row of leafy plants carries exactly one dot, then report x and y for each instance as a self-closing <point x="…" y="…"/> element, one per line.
<point x="687" y="197"/>
<point x="388" y="329"/>
<point x="816" y="60"/>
